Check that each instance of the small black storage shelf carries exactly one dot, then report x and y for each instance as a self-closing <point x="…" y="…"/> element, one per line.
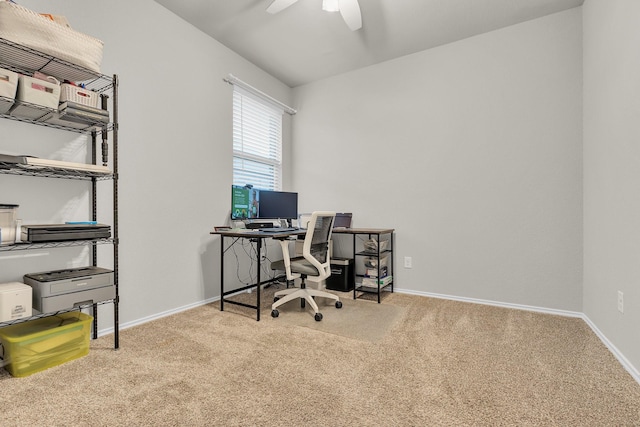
<point x="24" y="60"/>
<point x="379" y="234"/>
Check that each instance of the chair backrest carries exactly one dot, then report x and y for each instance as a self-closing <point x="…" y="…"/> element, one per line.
<point x="316" y="242"/>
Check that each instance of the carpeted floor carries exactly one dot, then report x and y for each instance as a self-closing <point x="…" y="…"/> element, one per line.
<point x="358" y="319"/>
<point x="428" y="362"/>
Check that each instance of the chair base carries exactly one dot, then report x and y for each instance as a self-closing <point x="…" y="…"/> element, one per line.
<point x="306" y="295"/>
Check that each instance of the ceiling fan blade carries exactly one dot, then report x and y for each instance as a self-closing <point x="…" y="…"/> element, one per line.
<point x="279" y="5"/>
<point x="350" y="11"/>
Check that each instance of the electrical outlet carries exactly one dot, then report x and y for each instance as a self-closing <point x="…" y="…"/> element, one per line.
<point x="620" y="302"/>
<point x="408" y="263"/>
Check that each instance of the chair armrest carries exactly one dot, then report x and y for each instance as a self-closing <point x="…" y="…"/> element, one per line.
<point x="284" y="244"/>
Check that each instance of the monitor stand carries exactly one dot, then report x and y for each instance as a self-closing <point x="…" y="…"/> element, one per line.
<point x="286" y="223"/>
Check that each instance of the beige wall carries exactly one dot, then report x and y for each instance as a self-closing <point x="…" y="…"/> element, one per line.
<point x="611" y="171"/>
<point x="472" y="151"/>
<point x="175" y="156"/>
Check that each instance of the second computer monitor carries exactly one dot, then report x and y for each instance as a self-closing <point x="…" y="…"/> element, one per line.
<point x="278" y="205"/>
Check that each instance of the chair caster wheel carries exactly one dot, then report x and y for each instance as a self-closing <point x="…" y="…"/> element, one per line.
<point x="338" y="304"/>
<point x="318" y="317"/>
<point x="275" y="299"/>
<point x="275" y="313"/>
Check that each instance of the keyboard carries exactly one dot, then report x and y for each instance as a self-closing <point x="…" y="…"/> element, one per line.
<point x="278" y="229"/>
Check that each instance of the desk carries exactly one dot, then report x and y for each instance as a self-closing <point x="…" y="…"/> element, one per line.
<point x="257" y="237"/>
<point x="377" y="232"/>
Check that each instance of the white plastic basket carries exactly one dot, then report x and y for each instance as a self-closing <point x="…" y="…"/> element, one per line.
<point x="78" y="95"/>
<point x="28" y="28"/>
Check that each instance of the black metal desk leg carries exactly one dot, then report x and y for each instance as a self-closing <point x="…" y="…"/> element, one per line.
<point x="259" y="250"/>
<point x="378" y="278"/>
<point x="353" y="273"/>
<point x="221" y="273"/>
<point x="393" y="265"/>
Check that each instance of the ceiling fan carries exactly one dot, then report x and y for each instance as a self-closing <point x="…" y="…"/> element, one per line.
<point x="349" y="9"/>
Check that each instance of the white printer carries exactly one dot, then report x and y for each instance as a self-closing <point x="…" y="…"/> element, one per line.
<point x="15" y="301"/>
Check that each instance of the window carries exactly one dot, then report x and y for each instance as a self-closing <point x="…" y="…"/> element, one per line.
<point x="257" y="141"/>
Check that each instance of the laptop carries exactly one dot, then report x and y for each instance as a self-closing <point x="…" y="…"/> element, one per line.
<point x="343" y="220"/>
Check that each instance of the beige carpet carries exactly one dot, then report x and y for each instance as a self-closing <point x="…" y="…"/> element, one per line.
<point x="441" y="363"/>
<point x="362" y="319"/>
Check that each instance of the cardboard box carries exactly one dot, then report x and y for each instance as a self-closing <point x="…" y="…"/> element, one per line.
<point x="39" y="344"/>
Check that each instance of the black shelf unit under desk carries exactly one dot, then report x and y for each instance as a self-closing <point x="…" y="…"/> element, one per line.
<point x="378" y="234"/>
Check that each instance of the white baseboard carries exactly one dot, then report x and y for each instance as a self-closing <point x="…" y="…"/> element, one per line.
<point x="565" y="313"/>
<point x="612" y="348"/>
<point x="142" y="320"/>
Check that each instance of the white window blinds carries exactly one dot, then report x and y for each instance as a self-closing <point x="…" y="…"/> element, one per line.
<point x="257" y="141"/>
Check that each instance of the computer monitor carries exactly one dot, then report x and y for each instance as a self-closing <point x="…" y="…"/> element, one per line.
<point x="245" y="202"/>
<point x="278" y="205"/>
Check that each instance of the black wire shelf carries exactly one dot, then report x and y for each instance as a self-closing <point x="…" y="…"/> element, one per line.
<point x="27" y="112"/>
<point x="24" y="60"/>
<point x="54" y="313"/>
<point x="46" y="245"/>
<point x="51" y="172"/>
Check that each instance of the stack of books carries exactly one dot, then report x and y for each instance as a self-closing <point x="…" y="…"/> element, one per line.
<point x="373" y="272"/>
<point x="371" y="279"/>
<point x="373" y="282"/>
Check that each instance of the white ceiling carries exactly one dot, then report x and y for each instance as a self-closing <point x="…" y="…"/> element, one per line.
<point x="303" y="43"/>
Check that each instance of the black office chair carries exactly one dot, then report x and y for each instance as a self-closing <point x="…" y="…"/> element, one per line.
<point x="314" y="264"/>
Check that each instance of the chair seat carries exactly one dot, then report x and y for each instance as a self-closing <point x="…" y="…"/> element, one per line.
<point x="298" y="265"/>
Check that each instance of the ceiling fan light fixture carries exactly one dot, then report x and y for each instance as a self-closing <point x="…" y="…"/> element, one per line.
<point x="331" y="5"/>
<point x="349" y="9"/>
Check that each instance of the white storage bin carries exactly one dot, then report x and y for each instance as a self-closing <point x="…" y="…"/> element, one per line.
<point x="78" y="95"/>
<point x="8" y="83"/>
<point x="8" y="86"/>
<point x="8" y="215"/>
<point x="31" y="29"/>
<point x="40" y="92"/>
